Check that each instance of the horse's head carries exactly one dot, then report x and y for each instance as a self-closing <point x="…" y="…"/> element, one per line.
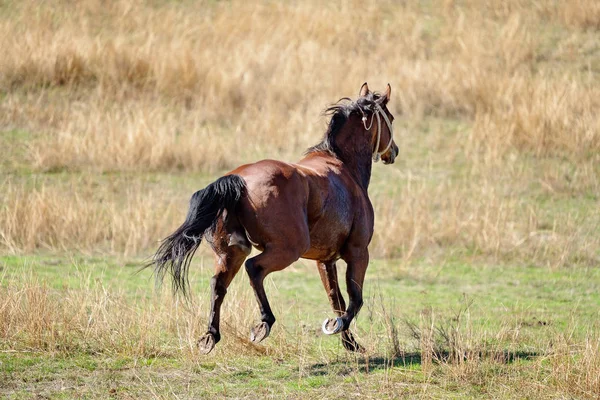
<point x="382" y="132"/>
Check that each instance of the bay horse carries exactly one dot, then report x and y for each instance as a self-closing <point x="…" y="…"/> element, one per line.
<point x="317" y="209"/>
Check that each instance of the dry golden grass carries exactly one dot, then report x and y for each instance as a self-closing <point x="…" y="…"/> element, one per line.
<point x="97" y="319"/>
<point x="495" y="103"/>
<point x="159" y="81"/>
<point x="420" y="220"/>
<point x="58" y="218"/>
<point x="144" y="137"/>
<point x="414" y="220"/>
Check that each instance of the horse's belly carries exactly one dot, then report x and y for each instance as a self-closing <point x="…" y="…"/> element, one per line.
<point x="320" y="254"/>
<point x="326" y="240"/>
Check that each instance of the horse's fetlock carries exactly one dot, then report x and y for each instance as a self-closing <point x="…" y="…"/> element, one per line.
<point x="359" y="304"/>
<point x="215" y="333"/>
<point x="269" y="319"/>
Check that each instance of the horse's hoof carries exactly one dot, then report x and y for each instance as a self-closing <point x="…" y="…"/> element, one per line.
<point x="350" y="343"/>
<point x="206" y="343"/>
<point x="259" y="332"/>
<point x="333" y="326"/>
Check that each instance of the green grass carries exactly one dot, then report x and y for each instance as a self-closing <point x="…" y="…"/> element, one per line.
<point x="539" y="303"/>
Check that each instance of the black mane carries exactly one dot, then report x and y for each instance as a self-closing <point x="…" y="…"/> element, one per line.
<point x="340" y="112"/>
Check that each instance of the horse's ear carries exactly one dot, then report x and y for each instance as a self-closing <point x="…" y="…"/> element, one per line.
<point x="387" y="94"/>
<point x="364" y="90"/>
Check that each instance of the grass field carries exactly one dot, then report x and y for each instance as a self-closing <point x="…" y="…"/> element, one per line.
<point x="484" y="280"/>
<point x="93" y="327"/>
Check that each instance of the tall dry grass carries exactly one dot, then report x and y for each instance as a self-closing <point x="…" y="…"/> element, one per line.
<point x="413" y="220"/>
<point x="263" y="71"/>
<point x="55" y="217"/>
<point x="495" y="104"/>
<point x="94" y="319"/>
<point x="479" y="219"/>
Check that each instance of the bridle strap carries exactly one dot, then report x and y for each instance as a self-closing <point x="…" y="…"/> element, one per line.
<point x="379" y="113"/>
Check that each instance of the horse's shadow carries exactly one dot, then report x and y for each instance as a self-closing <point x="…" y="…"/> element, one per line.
<point x="410" y="360"/>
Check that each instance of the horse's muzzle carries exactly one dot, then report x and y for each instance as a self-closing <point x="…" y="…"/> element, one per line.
<point x="390" y="156"/>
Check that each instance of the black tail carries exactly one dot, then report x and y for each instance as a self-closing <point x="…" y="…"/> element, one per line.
<point x="176" y="251"/>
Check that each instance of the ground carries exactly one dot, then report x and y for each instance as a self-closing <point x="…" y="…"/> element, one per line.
<point x="494" y="331"/>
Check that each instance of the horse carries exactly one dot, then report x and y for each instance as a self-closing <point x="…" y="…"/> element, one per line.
<point x="316" y="209"/>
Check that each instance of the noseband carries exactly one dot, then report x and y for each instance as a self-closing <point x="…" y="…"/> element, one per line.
<point x="379" y="113"/>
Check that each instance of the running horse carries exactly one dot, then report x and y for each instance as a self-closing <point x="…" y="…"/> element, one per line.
<point x="317" y="209"/>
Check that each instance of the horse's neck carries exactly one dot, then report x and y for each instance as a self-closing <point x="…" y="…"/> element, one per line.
<point x="355" y="152"/>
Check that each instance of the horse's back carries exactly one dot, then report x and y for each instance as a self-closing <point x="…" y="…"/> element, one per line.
<point x="271" y="181"/>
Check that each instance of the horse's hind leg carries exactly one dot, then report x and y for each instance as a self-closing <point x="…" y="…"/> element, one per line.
<point x="270" y="260"/>
<point x="230" y="252"/>
<point x="328" y="273"/>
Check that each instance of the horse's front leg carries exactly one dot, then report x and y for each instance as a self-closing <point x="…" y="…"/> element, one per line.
<point x="329" y="277"/>
<point x="357" y="260"/>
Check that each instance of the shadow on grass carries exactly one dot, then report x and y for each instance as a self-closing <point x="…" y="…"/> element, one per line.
<point x="412" y="360"/>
